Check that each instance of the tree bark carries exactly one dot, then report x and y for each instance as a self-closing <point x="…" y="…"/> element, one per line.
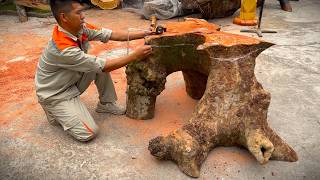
<point x="21" y="4"/>
<point x="218" y="69"/>
<point x="212" y="8"/>
<point x="22" y="14"/>
<point x="39" y="4"/>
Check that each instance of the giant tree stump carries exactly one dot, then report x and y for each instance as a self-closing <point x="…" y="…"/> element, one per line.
<point x="218" y="69"/>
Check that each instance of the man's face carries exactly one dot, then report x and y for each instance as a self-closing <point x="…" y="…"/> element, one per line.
<point x="75" y="18"/>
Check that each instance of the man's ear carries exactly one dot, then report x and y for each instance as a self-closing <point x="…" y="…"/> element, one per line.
<point x="63" y="17"/>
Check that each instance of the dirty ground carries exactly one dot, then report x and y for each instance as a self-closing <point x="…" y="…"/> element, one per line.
<point x="30" y="148"/>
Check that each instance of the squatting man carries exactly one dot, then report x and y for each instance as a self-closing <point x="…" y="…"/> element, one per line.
<point x="65" y="70"/>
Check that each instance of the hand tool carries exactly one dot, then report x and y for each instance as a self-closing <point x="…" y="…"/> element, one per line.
<point x="157" y="29"/>
<point x="258" y="31"/>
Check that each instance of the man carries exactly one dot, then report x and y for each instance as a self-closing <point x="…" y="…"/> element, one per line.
<point x="65" y="70"/>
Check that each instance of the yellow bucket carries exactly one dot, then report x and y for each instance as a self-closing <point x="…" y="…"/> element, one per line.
<point x="248" y="9"/>
<point x="247" y="13"/>
<point x="106" y="4"/>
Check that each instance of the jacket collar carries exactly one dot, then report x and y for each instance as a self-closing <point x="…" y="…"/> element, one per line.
<point x="69" y="34"/>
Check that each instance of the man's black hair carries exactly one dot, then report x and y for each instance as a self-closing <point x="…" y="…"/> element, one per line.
<point x="59" y="6"/>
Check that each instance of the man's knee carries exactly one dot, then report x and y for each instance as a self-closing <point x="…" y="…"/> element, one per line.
<point x="85" y="138"/>
<point x="83" y="132"/>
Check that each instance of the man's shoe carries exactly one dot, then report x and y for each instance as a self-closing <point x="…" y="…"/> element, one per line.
<point x="285" y="5"/>
<point x="111" y="107"/>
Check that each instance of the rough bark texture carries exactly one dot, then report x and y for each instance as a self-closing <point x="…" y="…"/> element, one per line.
<point x="40" y="4"/>
<point x="21" y="10"/>
<point x="212" y="8"/>
<point x="22" y="14"/>
<point x="218" y="69"/>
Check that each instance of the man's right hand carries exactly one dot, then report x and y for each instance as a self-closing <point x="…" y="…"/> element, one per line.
<point x="138" y="54"/>
<point x="142" y="52"/>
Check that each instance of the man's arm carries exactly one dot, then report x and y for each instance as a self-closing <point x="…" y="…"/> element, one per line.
<point x="138" y="54"/>
<point x="123" y="35"/>
<point x="94" y="33"/>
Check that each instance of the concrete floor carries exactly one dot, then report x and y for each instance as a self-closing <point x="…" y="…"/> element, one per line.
<point x="30" y="148"/>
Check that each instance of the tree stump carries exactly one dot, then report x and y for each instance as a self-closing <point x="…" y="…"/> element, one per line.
<point x="22" y="14"/>
<point x="210" y="9"/>
<point x="39" y="4"/>
<point x="21" y="4"/>
<point x="218" y="69"/>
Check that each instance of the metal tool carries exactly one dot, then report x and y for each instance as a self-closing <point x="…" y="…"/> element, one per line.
<point x="157" y="29"/>
<point x="258" y="31"/>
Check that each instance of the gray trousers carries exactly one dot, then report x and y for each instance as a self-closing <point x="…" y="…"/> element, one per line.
<point x="73" y="115"/>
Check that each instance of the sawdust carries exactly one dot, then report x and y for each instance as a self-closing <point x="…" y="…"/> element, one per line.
<point x="19" y="56"/>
